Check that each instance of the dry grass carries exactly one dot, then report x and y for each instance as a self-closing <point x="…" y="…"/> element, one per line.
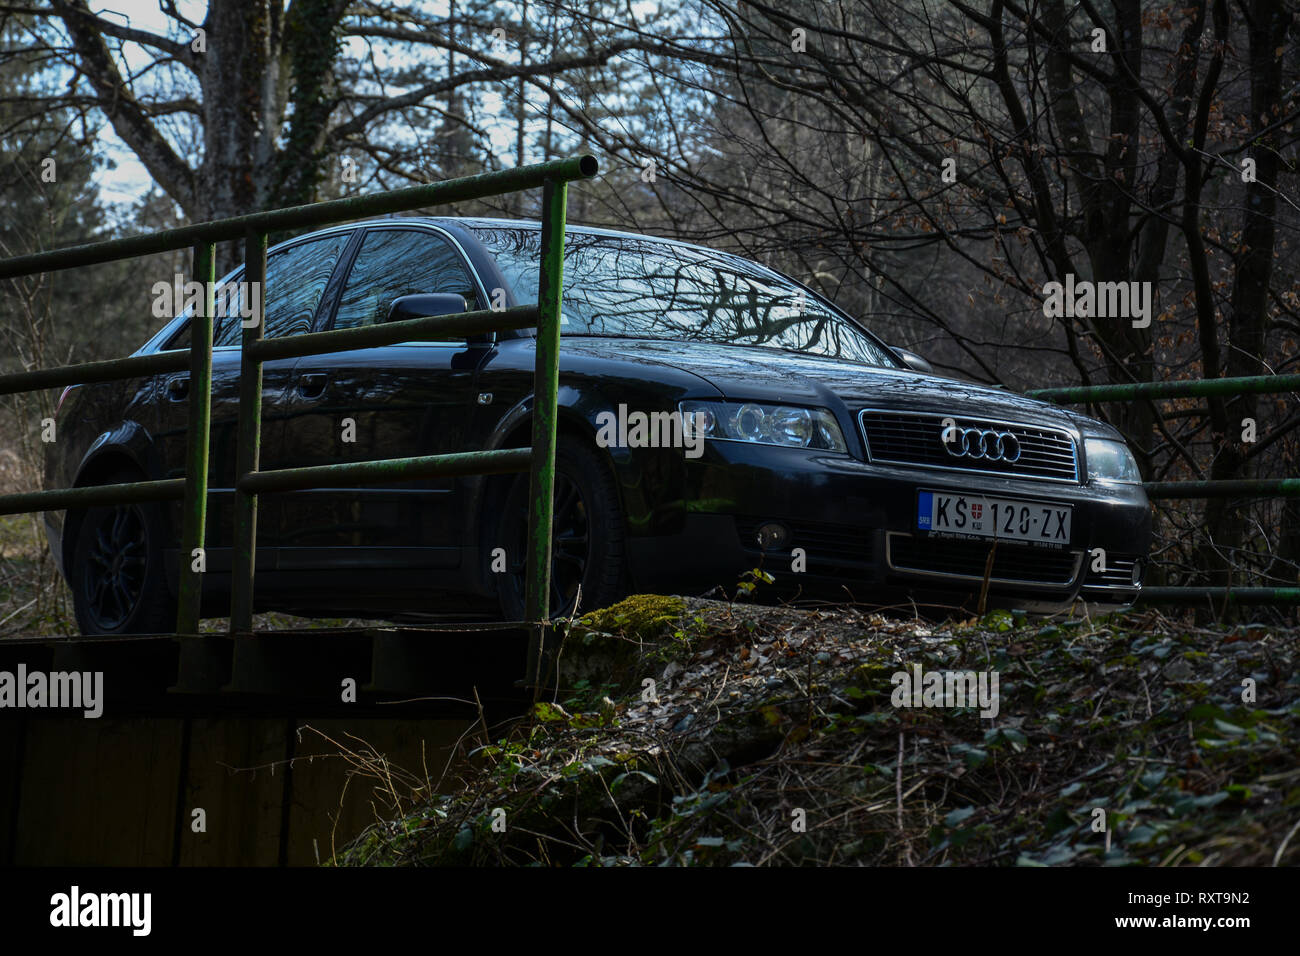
<point x="768" y="717"/>
<point x="35" y="600"/>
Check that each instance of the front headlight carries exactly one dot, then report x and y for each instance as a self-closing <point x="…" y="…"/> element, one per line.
<point x="766" y="424"/>
<point x="1110" y="461"/>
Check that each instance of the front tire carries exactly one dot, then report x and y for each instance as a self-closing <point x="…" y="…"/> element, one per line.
<point x="116" y="572"/>
<point x="587" y="540"/>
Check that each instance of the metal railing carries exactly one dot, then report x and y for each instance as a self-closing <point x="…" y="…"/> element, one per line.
<point x="1221" y="488"/>
<point x="539" y="460"/>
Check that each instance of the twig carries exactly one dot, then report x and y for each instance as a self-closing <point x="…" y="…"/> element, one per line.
<point x="1277" y="857"/>
<point x="898" y="789"/>
<point x="487" y="736"/>
<point x="19" y="611"/>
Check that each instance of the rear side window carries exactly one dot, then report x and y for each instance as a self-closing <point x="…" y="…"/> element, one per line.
<point x="393" y="263"/>
<point x="295" y="281"/>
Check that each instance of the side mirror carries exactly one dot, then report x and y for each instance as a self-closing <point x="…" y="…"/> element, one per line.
<point x="425" y="304"/>
<point x="913" y="361"/>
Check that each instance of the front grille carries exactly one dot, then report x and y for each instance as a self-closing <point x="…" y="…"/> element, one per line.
<point x="1012" y="564"/>
<point x="829" y="547"/>
<point x="910" y="438"/>
<point x="1118" y="573"/>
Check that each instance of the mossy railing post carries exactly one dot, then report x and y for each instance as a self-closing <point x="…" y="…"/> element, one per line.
<point x="539" y="460"/>
<point x="541" y="484"/>
<point x="248" y="443"/>
<point x="194" y="511"/>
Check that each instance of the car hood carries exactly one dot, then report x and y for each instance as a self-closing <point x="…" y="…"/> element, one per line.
<point x="771" y="375"/>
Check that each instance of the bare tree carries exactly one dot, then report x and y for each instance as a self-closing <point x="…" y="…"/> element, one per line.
<point x="247" y="109"/>
<point x="947" y="162"/>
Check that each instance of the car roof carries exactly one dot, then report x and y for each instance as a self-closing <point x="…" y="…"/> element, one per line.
<point x="489" y="222"/>
<point x="469" y="223"/>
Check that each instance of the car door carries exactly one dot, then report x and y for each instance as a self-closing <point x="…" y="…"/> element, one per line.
<point x="296" y="280"/>
<point x="414" y="398"/>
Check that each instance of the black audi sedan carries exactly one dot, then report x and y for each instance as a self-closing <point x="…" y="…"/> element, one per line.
<point x="715" y="416"/>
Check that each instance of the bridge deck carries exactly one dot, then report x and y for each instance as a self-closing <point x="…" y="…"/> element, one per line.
<point x="437" y="669"/>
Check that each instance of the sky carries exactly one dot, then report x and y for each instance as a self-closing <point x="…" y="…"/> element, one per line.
<point x="129" y="180"/>
<point x="124" y="184"/>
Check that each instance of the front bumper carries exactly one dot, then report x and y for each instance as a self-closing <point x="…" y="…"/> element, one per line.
<point x="855" y="523"/>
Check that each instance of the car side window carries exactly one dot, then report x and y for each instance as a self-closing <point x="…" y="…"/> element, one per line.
<point x="225" y="325"/>
<point x="295" y="281"/>
<point x="397" y="262"/>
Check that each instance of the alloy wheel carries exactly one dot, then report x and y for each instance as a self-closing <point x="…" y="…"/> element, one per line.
<point x="570" y="546"/>
<point x="114" y="574"/>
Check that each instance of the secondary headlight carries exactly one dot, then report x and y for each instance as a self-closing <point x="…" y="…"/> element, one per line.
<point x="766" y="424"/>
<point x="1110" y="461"/>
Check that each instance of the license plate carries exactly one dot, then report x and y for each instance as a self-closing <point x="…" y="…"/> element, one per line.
<point x="985" y="517"/>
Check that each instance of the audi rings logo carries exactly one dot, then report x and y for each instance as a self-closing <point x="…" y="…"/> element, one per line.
<point x="982" y="443"/>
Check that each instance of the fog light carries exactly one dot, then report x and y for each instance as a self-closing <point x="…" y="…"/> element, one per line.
<point x="1137" y="573"/>
<point x="772" y="536"/>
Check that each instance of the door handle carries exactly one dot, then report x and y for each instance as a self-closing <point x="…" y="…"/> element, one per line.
<point x="312" y="384"/>
<point x="178" y="388"/>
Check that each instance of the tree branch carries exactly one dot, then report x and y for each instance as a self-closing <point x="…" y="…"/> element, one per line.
<point x="129" y="117"/>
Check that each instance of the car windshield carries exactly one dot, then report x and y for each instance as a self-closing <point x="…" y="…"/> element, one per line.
<point x="626" y="287"/>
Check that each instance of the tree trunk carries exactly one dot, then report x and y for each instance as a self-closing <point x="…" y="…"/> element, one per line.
<point x="1248" y="311"/>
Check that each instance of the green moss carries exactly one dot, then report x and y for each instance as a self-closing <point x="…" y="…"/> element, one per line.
<point x="641" y="617"/>
<point x="615" y="647"/>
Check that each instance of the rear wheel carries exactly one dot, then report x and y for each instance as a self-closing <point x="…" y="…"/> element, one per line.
<point x="116" y="572"/>
<point x="587" y="541"/>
